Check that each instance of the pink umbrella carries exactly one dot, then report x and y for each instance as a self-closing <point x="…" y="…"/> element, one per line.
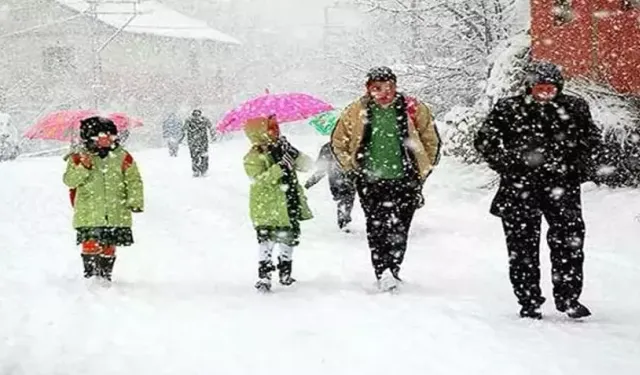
<point x="286" y="107"/>
<point x="65" y="125"/>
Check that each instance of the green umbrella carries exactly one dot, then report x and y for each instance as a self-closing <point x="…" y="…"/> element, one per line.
<point x="325" y="122"/>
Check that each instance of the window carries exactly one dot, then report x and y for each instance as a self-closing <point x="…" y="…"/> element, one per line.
<point x="562" y="12"/>
<point x="630" y="4"/>
<point x="58" y="59"/>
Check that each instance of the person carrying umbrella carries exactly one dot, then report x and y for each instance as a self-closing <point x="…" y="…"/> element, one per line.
<point x="387" y="141"/>
<point x="197" y="129"/>
<point x="105" y="188"/>
<point x="342" y="188"/>
<point x="277" y="201"/>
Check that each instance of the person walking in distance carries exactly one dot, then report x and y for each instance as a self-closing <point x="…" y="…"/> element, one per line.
<point x="197" y="129"/>
<point x="172" y="133"/>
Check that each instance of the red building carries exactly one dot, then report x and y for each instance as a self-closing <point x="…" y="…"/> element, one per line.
<point x="598" y="39"/>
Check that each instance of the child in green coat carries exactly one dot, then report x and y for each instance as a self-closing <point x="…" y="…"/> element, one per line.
<point x="105" y="187"/>
<point x="277" y="201"/>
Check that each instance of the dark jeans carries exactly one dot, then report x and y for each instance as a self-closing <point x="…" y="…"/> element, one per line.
<point x="199" y="160"/>
<point x="565" y="239"/>
<point x="389" y="206"/>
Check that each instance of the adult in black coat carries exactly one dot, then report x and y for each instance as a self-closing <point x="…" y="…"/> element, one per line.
<point x="197" y="128"/>
<point x="543" y="144"/>
<point x="342" y="187"/>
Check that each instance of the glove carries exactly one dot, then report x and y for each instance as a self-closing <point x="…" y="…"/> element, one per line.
<point x="287" y="162"/>
<point x="136" y="210"/>
<point x="85" y="160"/>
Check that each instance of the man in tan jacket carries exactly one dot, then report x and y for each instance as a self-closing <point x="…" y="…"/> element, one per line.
<point x="389" y="145"/>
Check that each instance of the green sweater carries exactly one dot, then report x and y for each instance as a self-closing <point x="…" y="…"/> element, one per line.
<point x="383" y="153"/>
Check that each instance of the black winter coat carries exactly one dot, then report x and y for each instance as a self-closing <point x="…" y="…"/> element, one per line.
<point x="538" y="150"/>
<point x="197" y="130"/>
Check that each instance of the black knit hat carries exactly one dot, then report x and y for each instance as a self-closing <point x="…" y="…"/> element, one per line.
<point x="92" y="126"/>
<point x="544" y="72"/>
<point x="381" y="74"/>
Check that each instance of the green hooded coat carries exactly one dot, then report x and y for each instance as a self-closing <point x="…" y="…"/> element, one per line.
<point x="267" y="199"/>
<point x="105" y="194"/>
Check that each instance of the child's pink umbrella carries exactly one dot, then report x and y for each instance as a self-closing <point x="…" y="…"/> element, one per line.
<point x="286" y="107"/>
<point x="65" y="125"/>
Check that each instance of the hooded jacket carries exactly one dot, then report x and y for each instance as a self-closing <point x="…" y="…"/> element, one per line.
<point x="268" y="202"/>
<point x="105" y="194"/>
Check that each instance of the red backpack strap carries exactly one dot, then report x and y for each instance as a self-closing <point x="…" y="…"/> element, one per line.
<point x="127" y="162"/>
<point x="75" y="158"/>
<point x="72" y="197"/>
<point x="412" y="109"/>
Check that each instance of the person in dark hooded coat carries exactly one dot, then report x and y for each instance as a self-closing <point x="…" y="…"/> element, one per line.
<point x="544" y="145"/>
<point x="197" y="129"/>
<point x="342" y="187"/>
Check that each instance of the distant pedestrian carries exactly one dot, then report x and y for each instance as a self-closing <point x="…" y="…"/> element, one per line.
<point x="197" y="129"/>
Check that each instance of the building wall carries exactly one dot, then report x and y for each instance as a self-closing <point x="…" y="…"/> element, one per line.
<point x="599" y="39"/>
<point x="52" y="67"/>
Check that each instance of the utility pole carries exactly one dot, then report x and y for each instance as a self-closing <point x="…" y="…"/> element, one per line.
<point x="97" y="86"/>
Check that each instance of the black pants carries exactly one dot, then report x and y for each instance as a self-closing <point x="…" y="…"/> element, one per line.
<point x="199" y="160"/>
<point x="565" y="239"/>
<point x="388" y="206"/>
<point x="345" y="206"/>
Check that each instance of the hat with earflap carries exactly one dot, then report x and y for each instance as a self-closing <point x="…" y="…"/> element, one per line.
<point x="544" y="72"/>
<point x="259" y="130"/>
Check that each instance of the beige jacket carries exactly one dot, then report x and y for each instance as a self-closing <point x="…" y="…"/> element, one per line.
<point x="423" y="142"/>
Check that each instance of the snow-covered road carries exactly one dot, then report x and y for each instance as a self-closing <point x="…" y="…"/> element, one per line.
<point x="183" y="300"/>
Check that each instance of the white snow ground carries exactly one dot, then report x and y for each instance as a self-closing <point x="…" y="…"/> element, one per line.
<point x="183" y="300"/>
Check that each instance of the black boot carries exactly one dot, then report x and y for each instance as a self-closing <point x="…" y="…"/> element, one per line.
<point x="264" y="276"/>
<point x="90" y="262"/>
<point x="574" y="309"/>
<point x="532" y="309"/>
<point x="285" y="268"/>
<point x="106" y="267"/>
<point x="531" y="312"/>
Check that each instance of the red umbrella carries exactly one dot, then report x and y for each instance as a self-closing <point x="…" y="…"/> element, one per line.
<point x="65" y="125"/>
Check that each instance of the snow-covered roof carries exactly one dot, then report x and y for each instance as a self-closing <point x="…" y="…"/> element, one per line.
<point x="152" y="18"/>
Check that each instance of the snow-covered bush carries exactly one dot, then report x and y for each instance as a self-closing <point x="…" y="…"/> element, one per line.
<point x="619" y="118"/>
<point x="506" y="77"/>
<point x="457" y="130"/>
